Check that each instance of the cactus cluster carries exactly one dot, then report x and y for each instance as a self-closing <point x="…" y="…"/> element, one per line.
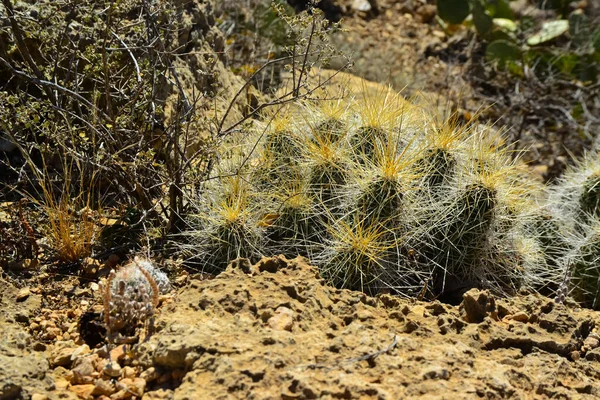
<point x="381" y="196"/>
<point x="130" y="297"/>
<point x="574" y="207"/>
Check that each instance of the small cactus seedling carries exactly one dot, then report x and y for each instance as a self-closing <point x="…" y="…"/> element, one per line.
<point x="130" y="297"/>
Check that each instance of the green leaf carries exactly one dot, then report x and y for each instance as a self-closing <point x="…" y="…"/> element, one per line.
<point x="501" y="9"/>
<point x="498" y="34"/>
<point x="550" y="30"/>
<point x="502" y="51"/>
<point x="596" y="39"/>
<point x="453" y="11"/>
<point x="483" y="22"/>
<point x="505" y="24"/>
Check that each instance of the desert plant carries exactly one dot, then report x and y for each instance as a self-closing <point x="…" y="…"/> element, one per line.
<point x="130" y="297"/>
<point x="226" y="226"/>
<point x="573" y="207"/>
<point x="449" y="205"/>
<point x="582" y="267"/>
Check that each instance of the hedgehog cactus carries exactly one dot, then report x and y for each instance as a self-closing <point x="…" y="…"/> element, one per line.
<point x="380" y="197"/>
<point x="227" y="225"/>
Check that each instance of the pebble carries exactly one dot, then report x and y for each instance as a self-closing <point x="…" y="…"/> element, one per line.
<point x="83" y="391"/>
<point x="61" y="383"/>
<point x="575" y="355"/>
<point x="112" y="369"/>
<point x="82" y="350"/>
<point x="37" y="396"/>
<point x="520" y="316"/>
<point x="83" y="370"/>
<point x="118" y="353"/>
<point x="103" y="387"/>
<point x="120" y="395"/>
<point x="52" y="333"/>
<point x="129" y="372"/>
<point x="61" y="357"/>
<point x="23" y="294"/>
<point x="136" y="385"/>
<point x="149" y="375"/>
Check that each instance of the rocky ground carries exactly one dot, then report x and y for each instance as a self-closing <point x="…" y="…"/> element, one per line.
<point x="276" y="330"/>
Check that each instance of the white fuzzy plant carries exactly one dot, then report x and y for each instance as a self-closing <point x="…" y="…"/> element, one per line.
<point x="130" y="296"/>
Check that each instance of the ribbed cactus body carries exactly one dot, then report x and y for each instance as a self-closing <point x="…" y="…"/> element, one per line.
<point x="584" y="263"/>
<point x="437" y="167"/>
<point x="589" y="201"/>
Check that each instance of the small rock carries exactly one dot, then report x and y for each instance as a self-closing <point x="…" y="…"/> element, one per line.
<point x="61" y="383"/>
<point x="438" y="34"/>
<point x="282" y="320"/>
<point x="476" y="305"/>
<point x="83" y="391"/>
<point x="37" y="396"/>
<point x="52" y="333"/>
<point x="82" y="350"/>
<point x="112" y="369"/>
<point x="103" y="387"/>
<point x="427" y="13"/>
<point x="90" y="266"/>
<point x="94" y="286"/>
<point x="129" y="372"/>
<point x="520" y="316"/>
<point x="121" y="395"/>
<point x="83" y="370"/>
<point x="575" y="355"/>
<point x="137" y="385"/>
<point x="23" y="294"/>
<point x="61" y="357"/>
<point x="118" y="353"/>
<point x="591" y="342"/>
<point x="150" y="374"/>
<point x="361" y="5"/>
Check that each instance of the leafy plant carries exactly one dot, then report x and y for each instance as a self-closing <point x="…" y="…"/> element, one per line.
<point x="514" y="44"/>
